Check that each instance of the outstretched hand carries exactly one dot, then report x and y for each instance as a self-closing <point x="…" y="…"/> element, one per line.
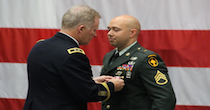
<point x="101" y="79"/>
<point x="118" y="83"/>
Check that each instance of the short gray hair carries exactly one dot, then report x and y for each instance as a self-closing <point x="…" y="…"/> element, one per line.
<point x="77" y="15"/>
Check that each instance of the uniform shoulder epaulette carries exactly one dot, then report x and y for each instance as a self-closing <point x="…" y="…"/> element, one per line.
<point x="145" y="51"/>
<point x="75" y="50"/>
<point x="40" y="40"/>
<point x="142" y="49"/>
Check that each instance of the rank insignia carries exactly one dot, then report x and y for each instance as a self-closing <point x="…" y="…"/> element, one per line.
<point x="75" y="50"/>
<point x="160" y="78"/>
<point x="133" y="58"/>
<point x="153" y="61"/>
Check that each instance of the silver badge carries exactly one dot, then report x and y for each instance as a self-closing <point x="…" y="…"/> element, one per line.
<point x="128" y="74"/>
<point x="131" y="62"/>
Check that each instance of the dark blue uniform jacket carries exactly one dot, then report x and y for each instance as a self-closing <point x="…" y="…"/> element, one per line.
<point x="60" y="77"/>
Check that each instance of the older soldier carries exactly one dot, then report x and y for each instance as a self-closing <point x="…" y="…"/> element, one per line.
<point x="60" y="76"/>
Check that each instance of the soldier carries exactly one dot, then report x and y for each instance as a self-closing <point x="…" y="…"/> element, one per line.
<point x="60" y="76"/>
<point x="147" y="83"/>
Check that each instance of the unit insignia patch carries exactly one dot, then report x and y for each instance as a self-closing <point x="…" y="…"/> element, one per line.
<point x="153" y="61"/>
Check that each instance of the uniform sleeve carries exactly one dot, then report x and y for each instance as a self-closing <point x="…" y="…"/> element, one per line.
<point x="156" y="80"/>
<point x="77" y="76"/>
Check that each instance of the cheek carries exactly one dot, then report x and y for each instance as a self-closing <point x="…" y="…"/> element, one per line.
<point x="122" y="39"/>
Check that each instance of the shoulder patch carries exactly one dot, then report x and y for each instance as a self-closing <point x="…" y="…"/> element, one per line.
<point x="75" y="50"/>
<point x="160" y="78"/>
<point x="152" y="60"/>
<point x="152" y="55"/>
<point x="40" y="40"/>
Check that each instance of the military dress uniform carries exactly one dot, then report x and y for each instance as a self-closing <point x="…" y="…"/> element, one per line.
<point x="60" y="77"/>
<point x="147" y="84"/>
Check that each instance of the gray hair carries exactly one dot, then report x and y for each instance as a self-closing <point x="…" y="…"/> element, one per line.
<point x="77" y="15"/>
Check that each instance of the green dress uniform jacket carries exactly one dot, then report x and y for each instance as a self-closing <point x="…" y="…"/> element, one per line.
<point x="60" y="77"/>
<point x="147" y="83"/>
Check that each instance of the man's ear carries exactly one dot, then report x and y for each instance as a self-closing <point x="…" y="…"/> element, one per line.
<point x="80" y="28"/>
<point x="133" y="32"/>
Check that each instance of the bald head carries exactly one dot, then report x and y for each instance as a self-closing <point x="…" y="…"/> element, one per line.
<point x="128" y="21"/>
<point x="123" y="31"/>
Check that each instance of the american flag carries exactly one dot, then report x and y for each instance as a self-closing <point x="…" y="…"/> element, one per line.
<point x="178" y="30"/>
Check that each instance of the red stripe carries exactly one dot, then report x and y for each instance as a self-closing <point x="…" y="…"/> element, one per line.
<point x="15" y="44"/>
<point x="185" y="107"/>
<point x="185" y="48"/>
<point x="11" y="104"/>
<point x="17" y="104"/>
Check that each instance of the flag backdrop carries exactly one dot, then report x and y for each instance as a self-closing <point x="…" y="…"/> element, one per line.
<point x="178" y="30"/>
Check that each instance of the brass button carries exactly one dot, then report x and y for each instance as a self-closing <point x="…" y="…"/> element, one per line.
<point x="107" y="106"/>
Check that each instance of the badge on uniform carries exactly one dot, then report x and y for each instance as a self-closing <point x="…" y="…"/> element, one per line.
<point x="127" y="54"/>
<point x="152" y="60"/>
<point x="131" y="62"/>
<point x="128" y="74"/>
<point x="118" y="73"/>
<point x="160" y="78"/>
<point x="133" y="58"/>
<point x="75" y="50"/>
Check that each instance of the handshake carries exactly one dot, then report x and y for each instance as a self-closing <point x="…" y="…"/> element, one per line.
<point x="118" y="82"/>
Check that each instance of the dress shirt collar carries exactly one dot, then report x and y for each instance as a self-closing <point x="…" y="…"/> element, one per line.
<point x="125" y="49"/>
<point x="71" y="38"/>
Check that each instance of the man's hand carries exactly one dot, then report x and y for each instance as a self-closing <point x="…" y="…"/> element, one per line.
<point x="118" y="83"/>
<point x="101" y="79"/>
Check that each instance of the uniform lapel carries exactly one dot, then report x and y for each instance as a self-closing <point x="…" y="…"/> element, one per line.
<point x="120" y="60"/>
<point x="108" y="57"/>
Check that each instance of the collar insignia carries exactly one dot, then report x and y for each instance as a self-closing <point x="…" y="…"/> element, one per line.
<point x="133" y="58"/>
<point x="127" y="54"/>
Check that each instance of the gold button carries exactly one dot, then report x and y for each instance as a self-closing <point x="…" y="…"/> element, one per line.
<point x="107" y="106"/>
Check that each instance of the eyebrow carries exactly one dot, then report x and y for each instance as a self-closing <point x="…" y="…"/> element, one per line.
<point x="113" y="27"/>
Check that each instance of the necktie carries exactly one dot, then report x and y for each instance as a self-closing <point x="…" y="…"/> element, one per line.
<point x="114" y="57"/>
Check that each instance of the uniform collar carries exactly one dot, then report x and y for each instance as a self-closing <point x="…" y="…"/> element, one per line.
<point x="120" y="60"/>
<point x="71" y="37"/>
<point x="125" y="49"/>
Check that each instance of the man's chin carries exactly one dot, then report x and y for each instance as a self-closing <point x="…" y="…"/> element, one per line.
<point x="112" y="44"/>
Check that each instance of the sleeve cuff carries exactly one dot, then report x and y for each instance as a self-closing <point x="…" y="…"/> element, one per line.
<point x="109" y="88"/>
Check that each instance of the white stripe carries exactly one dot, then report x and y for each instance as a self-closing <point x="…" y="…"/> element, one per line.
<point x="28" y="13"/>
<point x="153" y="14"/>
<point x="191" y="85"/>
<point x="13" y="80"/>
